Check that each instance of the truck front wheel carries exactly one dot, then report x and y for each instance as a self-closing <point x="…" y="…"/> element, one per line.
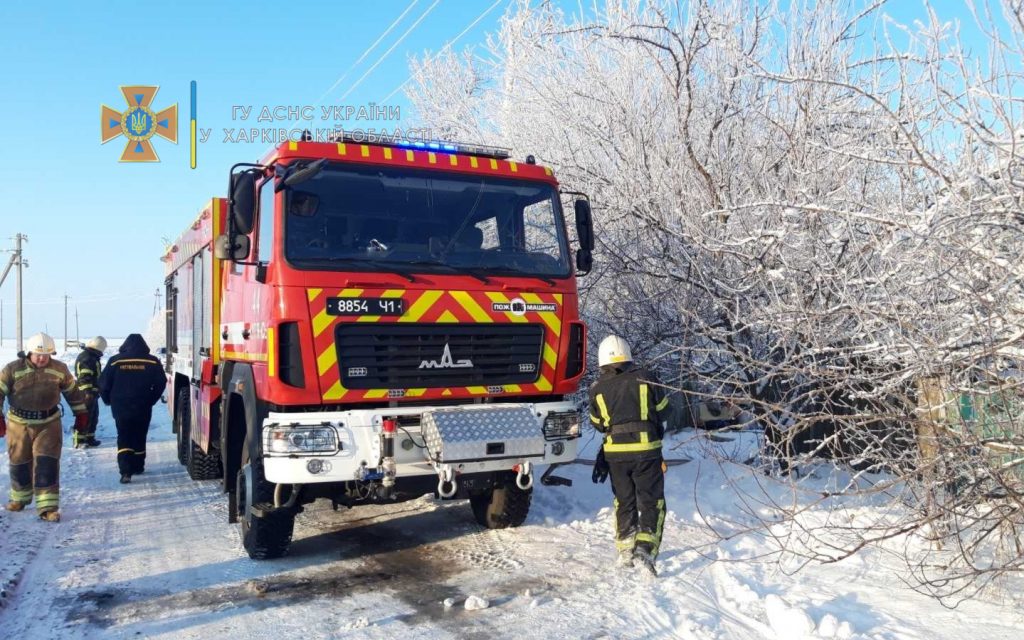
<point x="505" y="505"/>
<point x="266" y="531"/>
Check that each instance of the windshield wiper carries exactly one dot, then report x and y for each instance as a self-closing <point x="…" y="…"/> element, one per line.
<point x="452" y="268"/>
<point x="400" y="272"/>
<point x="519" y="272"/>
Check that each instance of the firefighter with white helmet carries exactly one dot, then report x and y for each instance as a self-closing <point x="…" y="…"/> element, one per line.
<point x="630" y="408"/>
<point x="87" y="370"/>
<point x="32" y="386"/>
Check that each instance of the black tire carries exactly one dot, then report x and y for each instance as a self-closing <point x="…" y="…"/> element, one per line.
<point x="200" y="465"/>
<point x="504" y="506"/>
<point x="183" y="418"/>
<point x="266" y="536"/>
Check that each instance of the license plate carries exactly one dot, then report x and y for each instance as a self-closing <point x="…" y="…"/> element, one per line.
<point x="365" y="306"/>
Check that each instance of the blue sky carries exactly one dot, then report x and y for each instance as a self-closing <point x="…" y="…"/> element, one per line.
<point x="96" y="226"/>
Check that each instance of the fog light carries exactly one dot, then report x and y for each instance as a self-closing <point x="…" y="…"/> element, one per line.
<point x="318" y="466"/>
<point x="558" y="448"/>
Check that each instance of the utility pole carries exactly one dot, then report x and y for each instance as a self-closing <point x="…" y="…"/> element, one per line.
<point x="78" y="336"/>
<point x="17" y="260"/>
<point x="66" y="296"/>
<point x="156" y="303"/>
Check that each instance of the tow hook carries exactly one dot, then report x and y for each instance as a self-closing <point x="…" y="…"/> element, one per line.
<point x="447" y="486"/>
<point x="524" y="475"/>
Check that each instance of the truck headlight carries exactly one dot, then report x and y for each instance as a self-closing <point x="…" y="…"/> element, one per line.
<point x="284" y="439"/>
<point x="561" y="425"/>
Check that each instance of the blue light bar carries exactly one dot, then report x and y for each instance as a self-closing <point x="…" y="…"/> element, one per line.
<point x="431" y="145"/>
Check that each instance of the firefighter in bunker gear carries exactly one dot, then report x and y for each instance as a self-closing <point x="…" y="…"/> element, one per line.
<point x="131" y="383"/>
<point x="630" y="409"/>
<point x="87" y="370"/>
<point x="32" y="386"/>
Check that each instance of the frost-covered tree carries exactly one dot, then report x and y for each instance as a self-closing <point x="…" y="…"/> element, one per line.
<point x="809" y="210"/>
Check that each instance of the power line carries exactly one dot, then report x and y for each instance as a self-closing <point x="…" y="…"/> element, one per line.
<point x="441" y="50"/>
<point x="392" y="48"/>
<point x="367" y="52"/>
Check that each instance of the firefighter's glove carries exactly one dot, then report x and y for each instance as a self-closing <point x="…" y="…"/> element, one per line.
<point x="601" y="469"/>
<point x="81" y="421"/>
<point x="3" y="426"/>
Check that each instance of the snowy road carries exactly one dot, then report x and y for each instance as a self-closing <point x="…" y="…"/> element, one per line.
<point x="157" y="559"/>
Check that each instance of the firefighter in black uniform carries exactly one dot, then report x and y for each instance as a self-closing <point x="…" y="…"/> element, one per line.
<point x="87" y="371"/>
<point x="131" y="383"/>
<point x="631" y="410"/>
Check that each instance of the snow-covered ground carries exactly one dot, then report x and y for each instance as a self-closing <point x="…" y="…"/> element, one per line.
<point x="157" y="559"/>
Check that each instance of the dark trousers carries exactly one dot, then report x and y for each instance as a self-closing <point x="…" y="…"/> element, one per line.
<point x="132" y="428"/>
<point x="639" y="488"/>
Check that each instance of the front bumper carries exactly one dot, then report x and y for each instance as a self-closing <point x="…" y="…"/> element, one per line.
<point x="359" y="449"/>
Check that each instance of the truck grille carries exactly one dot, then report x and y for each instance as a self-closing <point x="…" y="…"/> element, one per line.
<point x="386" y="356"/>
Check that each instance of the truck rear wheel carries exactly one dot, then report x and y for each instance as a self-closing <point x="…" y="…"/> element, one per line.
<point x="503" y="506"/>
<point x="200" y="465"/>
<point x="267" y="535"/>
<point x="183" y="418"/>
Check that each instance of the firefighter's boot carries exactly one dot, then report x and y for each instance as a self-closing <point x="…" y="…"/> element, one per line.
<point x="50" y="516"/>
<point x="644" y="558"/>
<point x="91" y="441"/>
<point x="14" y="505"/>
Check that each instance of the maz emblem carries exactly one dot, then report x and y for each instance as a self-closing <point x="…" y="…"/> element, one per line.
<point x="446" y="361"/>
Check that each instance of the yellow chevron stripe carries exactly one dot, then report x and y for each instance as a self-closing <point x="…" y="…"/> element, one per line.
<point x="448" y="316"/>
<point x="550" y="356"/>
<point x="446" y="392"/>
<point x="313" y="293"/>
<point x="543" y="384"/>
<point x="336" y="392"/>
<point x="387" y="153"/>
<point x="512" y="388"/>
<point x="473" y="162"/>
<point x="327" y="359"/>
<point x="477" y="390"/>
<point x="467" y="302"/>
<point x="421" y="306"/>
<point x="550" y="318"/>
<point x="375" y="393"/>
<point x="413" y="393"/>
<point x="321" y="321"/>
<point x="341" y="149"/>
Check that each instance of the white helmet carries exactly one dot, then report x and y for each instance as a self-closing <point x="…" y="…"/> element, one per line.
<point x="98" y="343"/>
<point x="613" y="350"/>
<point x="41" y="344"/>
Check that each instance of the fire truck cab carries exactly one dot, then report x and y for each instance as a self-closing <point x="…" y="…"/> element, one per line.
<point x="371" y="322"/>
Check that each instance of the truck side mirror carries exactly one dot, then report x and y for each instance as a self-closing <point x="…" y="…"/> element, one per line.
<point x="227" y="247"/>
<point x="584" y="225"/>
<point x="243" y="201"/>
<point x="585" y="235"/>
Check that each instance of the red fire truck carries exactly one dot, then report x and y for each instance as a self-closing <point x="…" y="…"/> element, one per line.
<point x="370" y="322"/>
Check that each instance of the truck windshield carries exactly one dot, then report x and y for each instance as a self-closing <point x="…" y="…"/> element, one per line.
<point x="349" y="218"/>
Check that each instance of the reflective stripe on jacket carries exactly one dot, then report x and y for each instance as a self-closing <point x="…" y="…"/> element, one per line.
<point x="629" y="407"/>
<point x="87" y="369"/>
